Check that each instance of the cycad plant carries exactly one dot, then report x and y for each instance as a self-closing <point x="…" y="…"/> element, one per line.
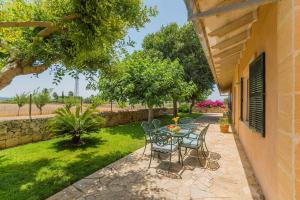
<point x="75" y="124"/>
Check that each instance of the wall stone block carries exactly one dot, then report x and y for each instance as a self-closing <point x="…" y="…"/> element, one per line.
<point x="17" y="132"/>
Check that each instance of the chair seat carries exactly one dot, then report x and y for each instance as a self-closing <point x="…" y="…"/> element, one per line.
<point x="188" y="126"/>
<point x="190" y="143"/>
<point x="193" y="136"/>
<point x="165" y="148"/>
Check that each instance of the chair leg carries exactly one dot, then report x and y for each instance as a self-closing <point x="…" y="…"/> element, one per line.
<point x="181" y="158"/>
<point x="206" y="148"/>
<point x="150" y="159"/>
<point x="198" y="156"/>
<point x="145" y="147"/>
<point x="170" y="163"/>
<point x="203" y="153"/>
<point x="185" y="152"/>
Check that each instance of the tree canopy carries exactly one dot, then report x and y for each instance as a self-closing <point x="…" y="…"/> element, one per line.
<point x="65" y="34"/>
<point x="146" y="79"/>
<point x="182" y="44"/>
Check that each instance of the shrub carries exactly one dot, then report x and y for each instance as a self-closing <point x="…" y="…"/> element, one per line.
<point x="210" y="104"/>
<point x="224" y="121"/>
<point x="75" y="124"/>
<point x="183" y="108"/>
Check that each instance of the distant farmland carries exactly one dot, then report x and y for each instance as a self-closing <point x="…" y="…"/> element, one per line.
<point x="11" y="110"/>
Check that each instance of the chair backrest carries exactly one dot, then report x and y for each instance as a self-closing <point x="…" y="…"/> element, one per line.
<point x="203" y="134"/>
<point x="186" y="120"/>
<point x="147" y="127"/>
<point x="156" y="123"/>
<point x="161" y="138"/>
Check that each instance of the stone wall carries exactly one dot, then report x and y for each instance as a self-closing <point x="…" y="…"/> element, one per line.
<point x="212" y="110"/>
<point x="17" y="132"/>
<point x="124" y="117"/>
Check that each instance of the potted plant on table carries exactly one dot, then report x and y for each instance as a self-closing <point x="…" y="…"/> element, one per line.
<point x="224" y="124"/>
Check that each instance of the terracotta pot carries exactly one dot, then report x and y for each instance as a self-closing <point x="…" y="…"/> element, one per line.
<point x="224" y="128"/>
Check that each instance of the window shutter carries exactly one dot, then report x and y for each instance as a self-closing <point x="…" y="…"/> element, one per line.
<point x="242" y="98"/>
<point x="257" y="95"/>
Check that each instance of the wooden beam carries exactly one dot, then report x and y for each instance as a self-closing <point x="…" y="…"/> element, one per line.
<point x="233" y="25"/>
<point x="229" y="63"/>
<point x="228" y="59"/>
<point x="241" y="37"/>
<point x="227" y="2"/>
<point x="229" y="52"/>
<point x="230" y="8"/>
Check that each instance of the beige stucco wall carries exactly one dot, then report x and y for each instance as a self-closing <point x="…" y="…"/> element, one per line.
<point x="275" y="158"/>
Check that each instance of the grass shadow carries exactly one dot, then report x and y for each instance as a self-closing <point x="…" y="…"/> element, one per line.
<point x="88" y="142"/>
<point x="42" y="178"/>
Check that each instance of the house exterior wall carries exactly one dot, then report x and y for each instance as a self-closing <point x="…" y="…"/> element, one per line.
<point x="276" y="157"/>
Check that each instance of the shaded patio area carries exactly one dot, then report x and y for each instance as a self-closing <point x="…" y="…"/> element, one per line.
<point x="226" y="174"/>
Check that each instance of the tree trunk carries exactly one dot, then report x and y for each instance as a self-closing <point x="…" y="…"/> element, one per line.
<point x="76" y="139"/>
<point x="150" y="113"/>
<point x="19" y="111"/>
<point x="191" y="106"/>
<point x="15" y="68"/>
<point x="41" y="111"/>
<point x="111" y="105"/>
<point x="175" y="110"/>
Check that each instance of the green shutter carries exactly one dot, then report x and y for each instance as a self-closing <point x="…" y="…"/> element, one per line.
<point x="242" y="98"/>
<point x="257" y="95"/>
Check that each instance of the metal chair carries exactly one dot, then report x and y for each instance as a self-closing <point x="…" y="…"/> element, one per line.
<point x="148" y="128"/>
<point x="187" y="122"/>
<point x="156" y="123"/>
<point x="162" y="142"/>
<point x="196" y="143"/>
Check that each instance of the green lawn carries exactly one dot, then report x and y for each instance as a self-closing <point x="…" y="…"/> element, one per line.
<point x="36" y="171"/>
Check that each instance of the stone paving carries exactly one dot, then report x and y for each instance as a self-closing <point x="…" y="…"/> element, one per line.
<point x="226" y="174"/>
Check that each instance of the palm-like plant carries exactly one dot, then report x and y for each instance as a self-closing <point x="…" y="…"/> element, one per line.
<point x="75" y="124"/>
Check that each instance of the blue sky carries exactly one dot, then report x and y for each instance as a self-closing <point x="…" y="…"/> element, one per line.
<point x="169" y="11"/>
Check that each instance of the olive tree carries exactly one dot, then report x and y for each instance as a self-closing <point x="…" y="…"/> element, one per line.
<point x="182" y="43"/>
<point x="149" y="80"/>
<point x="40" y="99"/>
<point x="70" y="36"/>
<point x="20" y="100"/>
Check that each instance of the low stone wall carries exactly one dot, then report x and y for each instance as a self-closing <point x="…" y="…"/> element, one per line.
<point x="212" y="110"/>
<point x="17" y="132"/>
<point x="124" y="117"/>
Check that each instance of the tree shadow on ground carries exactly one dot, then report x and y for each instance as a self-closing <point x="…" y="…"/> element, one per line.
<point x="114" y="181"/>
<point x="88" y="142"/>
<point x="42" y="178"/>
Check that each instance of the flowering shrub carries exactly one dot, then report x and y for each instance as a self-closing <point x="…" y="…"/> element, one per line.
<point x="210" y="104"/>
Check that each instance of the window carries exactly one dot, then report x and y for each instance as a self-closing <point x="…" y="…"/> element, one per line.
<point x="242" y="98"/>
<point x="244" y="89"/>
<point x="257" y="95"/>
<point x="247" y="100"/>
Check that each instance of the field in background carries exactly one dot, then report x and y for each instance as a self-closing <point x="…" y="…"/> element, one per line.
<point x="11" y="110"/>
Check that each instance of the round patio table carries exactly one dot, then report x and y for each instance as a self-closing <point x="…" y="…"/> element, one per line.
<point x="183" y="132"/>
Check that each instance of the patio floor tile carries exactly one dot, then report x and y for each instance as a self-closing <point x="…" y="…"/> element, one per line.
<point x="226" y="174"/>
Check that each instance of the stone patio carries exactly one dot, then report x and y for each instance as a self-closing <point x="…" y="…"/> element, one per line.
<point x="226" y="174"/>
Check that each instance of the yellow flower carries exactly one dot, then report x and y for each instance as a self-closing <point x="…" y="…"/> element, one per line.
<point x="175" y="119"/>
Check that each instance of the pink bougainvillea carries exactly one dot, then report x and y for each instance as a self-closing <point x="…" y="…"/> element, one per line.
<point x="210" y="104"/>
